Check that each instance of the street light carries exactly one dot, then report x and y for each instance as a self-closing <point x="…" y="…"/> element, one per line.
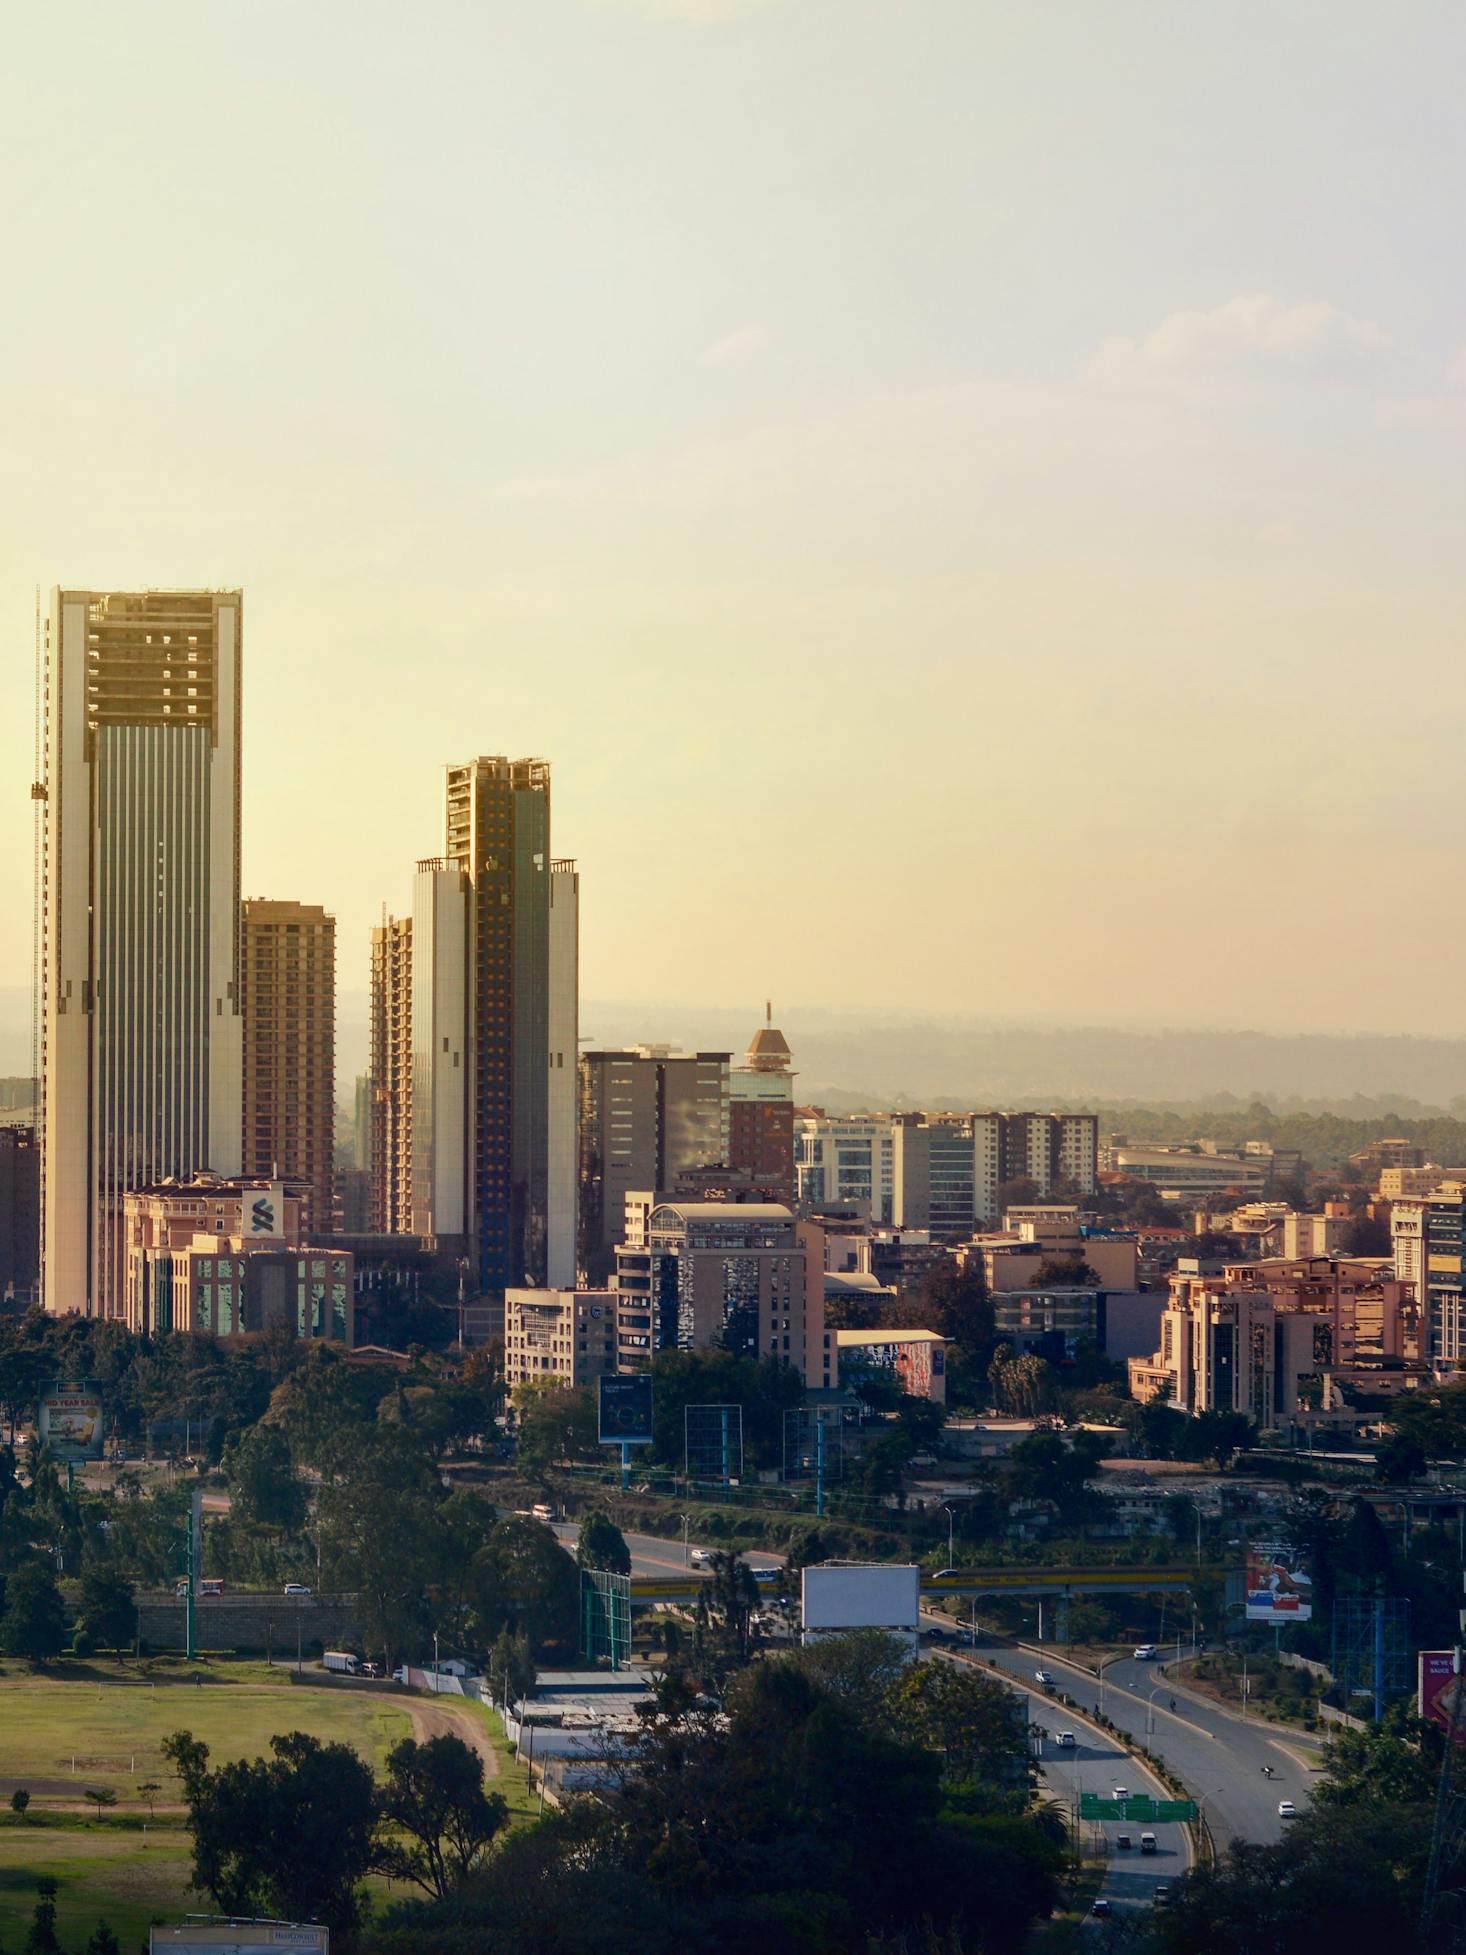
<point x="951" y="1513"/>
<point x="1105" y="1662"/>
<point x="686" y="1549"/>
<point x="1150" y="1710"/>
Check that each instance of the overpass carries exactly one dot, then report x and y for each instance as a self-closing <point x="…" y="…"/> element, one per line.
<point x="1057" y="1583"/>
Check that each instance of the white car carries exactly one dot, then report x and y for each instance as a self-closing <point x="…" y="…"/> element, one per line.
<point x="1286" y="1809"/>
<point x="1144" y="1652"/>
<point x="1122" y="1792"/>
<point x="296" y="1588"/>
<point x="1045" y="1677"/>
<point x="700" y="1557"/>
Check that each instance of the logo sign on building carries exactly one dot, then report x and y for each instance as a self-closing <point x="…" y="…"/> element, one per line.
<point x="626" y="1410"/>
<point x="1440" y="1700"/>
<point x="70" y="1422"/>
<point x="1279" y="1589"/>
<point x="264" y="1213"/>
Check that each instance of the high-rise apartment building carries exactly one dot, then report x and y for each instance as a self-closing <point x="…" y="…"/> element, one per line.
<point x="648" y="1115"/>
<point x="441" y="1073"/>
<point x="498" y="822"/>
<point x="563" y="1130"/>
<point x="288" y="1005"/>
<point x="761" y="1112"/>
<point x="141" y="1033"/>
<point x="948" y="1169"/>
<point x="845" y="1162"/>
<point x="391" y="1075"/>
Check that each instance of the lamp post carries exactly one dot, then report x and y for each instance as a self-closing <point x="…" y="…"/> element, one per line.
<point x="686" y="1546"/>
<point x="1105" y="1662"/>
<point x="951" y="1513"/>
<point x="1150" y="1710"/>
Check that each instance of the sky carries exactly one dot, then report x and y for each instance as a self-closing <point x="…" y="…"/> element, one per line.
<point x="968" y="496"/>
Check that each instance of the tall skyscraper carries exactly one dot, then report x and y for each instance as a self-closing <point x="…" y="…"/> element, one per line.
<point x="141" y="1036"/>
<point x="498" y="821"/>
<point x="288" y="1002"/>
<point x="562" y="1138"/>
<point x="391" y="1076"/>
<point x="440" y="1053"/>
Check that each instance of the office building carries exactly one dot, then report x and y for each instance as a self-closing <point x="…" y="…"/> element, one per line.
<point x="1427" y="1235"/>
<point x="288" y="1007"/>
<point x="737" y="1276"/>
<point x="391" y="1077"/>
<point x="949" y="1170"/>
<point x="559" y="1336"/>
<point x="761" y="1112"/>
<point x="562" y="1137"/>
<point x="845" y="1162"/>
<point x="20" y="1213"/>
<point x="439" y="1121"/>
<point x="231" y="1257"/>
<point x="141" y="1033"/>
<point x="648" y="1116"/>
<point x="1186" y="1173"/>
<point x="498" y="836"/>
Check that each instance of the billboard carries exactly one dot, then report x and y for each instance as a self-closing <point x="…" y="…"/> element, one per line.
<point x="69" y="1421"/>
<point x="1440" y="1692"/>
<point x="626" y="1410"/>
<point x="860" y="1595"/>
<point x="1279" y="1588"/>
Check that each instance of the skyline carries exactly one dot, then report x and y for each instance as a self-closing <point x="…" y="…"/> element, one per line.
<point x="1030" y="505"/>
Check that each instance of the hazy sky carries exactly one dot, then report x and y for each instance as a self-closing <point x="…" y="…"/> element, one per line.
<point x="969" y="497"/>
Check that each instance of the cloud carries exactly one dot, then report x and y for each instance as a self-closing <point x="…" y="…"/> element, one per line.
<point x="1456" y="372"/>
<point x="734" y="346"/>
<point x="1255" y="336"/>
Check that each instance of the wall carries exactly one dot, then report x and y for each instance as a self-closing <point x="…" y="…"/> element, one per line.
<point x="243" y="1621"/>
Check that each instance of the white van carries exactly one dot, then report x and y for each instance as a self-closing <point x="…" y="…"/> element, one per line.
<point x="542" y="1511"/>
<point x="342" y="1661"/>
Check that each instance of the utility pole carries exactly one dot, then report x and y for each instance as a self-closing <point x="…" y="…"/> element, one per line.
<point x="819" y="1467"/>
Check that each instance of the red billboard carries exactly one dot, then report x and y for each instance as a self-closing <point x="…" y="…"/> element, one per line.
<point x="1440" y="1692"/>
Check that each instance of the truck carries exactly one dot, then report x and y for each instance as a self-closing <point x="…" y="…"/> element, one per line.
<point x="342" y="1661"/>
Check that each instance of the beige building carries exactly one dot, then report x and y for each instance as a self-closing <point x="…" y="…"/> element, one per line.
<point x="231" y="1257"/>
<point x="288" y="1003"/>
<point x="564" y="1335"/>
<point x="391" y="1077"/>
<point x="140" y="1028"/>
<point x="1012" y="1258"/>
<point x="741" y="1276"/>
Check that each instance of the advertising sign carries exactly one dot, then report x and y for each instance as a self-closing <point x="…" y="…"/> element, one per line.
<point x="70" y="1421"/>
<point x="264" y="1212"/>
<point x="1440" y="1692"/>
<point x="1278" y="1589"/>
<point x="626" y="1410"/>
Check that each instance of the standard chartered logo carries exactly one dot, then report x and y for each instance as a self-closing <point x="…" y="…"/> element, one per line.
<point x="262" y="1216"/>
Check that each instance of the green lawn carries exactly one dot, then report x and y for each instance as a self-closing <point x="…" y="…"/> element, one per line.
<point x="112" y="1725"/>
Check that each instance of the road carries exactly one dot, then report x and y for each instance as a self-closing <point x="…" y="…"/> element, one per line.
<point x="652" y="1555"/>
<point x="1218" y="1755"/>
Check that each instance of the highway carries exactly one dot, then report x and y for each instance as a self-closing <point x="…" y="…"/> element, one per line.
<point x="1217" y="1754"/>
<point x="651" y="1555"/>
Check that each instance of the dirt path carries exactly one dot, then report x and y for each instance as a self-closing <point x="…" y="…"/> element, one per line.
<point x="442" y="1720"/>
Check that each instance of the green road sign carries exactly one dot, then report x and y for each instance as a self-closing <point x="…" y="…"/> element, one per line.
<point x="1140" y="1810"/>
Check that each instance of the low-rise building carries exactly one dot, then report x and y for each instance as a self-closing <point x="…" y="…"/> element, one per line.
<point x="567" y="1336"/>
<point x="916" y="1360"/>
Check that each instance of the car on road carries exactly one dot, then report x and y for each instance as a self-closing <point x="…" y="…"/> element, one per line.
<point x="1064" y="1740"/>
<point x="1286" y="1809"/>
<point x="1162" y="1895"/>
<point x="1045" y="1677"/>
<point x="1147" y="1843"/>
<point x="1101" y="1907"/>
<point x="1121" y="1792"/>
<point x="1144" y="1652"/>
<point x="934" y="1634"/>
<point x="699" y="1557"/>
<point x="296" y="1588"/>
<point x="946" y="1574"/>
<point x="1122" y="1841"/>
<point x="767" y="1577"/>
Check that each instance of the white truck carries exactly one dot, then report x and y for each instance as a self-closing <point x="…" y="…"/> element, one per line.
<point x="341" y="1661"/>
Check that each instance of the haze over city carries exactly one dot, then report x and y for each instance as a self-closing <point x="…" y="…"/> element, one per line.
<point x="967" y="497"/>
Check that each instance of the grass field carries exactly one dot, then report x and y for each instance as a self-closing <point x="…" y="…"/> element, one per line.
<point x="121" y="1865"/>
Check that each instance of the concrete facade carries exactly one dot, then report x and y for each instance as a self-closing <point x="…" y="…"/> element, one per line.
<point x="288" y="1007"/>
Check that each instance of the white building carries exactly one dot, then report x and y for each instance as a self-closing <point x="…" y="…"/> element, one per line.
<point x="567" y="1336"/>
<point x="563" y="1138"/>
<point x="142" y="1043"/>
<point x="846" y="1162"/>
<point x="440" y="1068"/>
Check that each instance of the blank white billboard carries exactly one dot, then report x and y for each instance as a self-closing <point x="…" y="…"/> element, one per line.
<point x="861" y="1595"/>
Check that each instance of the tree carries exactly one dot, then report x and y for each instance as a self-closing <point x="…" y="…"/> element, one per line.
<point x="1216" y="1435"/>
<point x="149" y="1790"/>
<point x="380" y="1531"/>
<point x="554" y="1422"/>
<point x="731" y="1598"/>
<point x="34" y="1623"/>
<point x="602" y="1545"/>
<point x="101" y="1797"/>
<point x="522" y="1579"/>
<point x="19" y="1800"/>
<point x="108" y="1613"/>
<point x="290" y="1836"/>
<point x="41" y="1938"/>
<point x="1400" y="1458"/>
<point x="435" y="1793"/>
<point x="975" y="1722"/>
<point x="264" y="1491"/>
<point x="511" y="1669"/>
<point x="102" y="1941"/>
